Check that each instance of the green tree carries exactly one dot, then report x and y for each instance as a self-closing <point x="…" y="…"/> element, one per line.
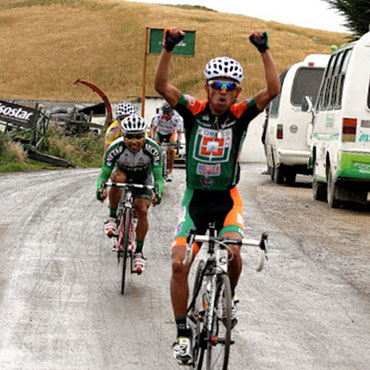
<point x="356" y="13"/>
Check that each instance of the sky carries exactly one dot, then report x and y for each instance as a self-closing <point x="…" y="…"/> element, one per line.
<point x="304" y="13"/>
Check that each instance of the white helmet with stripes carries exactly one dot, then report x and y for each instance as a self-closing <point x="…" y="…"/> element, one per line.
<point x="224" y="67"/>
<point x="133" y="124"/>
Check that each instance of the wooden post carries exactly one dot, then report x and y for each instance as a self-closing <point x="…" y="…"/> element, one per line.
<point x="144" y="73"/>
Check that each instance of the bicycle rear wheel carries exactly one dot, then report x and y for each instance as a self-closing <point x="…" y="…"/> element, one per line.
<point x="124" y="246"/>
<point x="218" y="347"/>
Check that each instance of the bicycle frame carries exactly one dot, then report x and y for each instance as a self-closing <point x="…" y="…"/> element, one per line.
<point x="125" y="208"/>
<point x="125" y="238"/>
<point x="164" y="158"/>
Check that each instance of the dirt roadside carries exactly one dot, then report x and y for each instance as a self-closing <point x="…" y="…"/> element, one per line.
<point x="59" y="281"/>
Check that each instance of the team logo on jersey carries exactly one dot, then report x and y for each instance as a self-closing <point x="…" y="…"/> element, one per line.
<point x="190" y="99"/>
<point x="208" y="169"/>
<point x="111" y="155"/>
<point x="212" y="145"/>
<point x="207" y="181"/>
<point x="115" y="130"/>
<point x="182" y="216"/>
<point x="154" y="152"/>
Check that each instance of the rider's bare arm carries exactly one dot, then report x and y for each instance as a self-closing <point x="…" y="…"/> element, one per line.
<point x="263" y="97"/>
<point x="153" y="131"/>
<point x="161" y="84"/>
<point x="179" y="135"/>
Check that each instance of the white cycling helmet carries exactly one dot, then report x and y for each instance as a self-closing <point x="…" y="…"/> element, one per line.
<point x="124" y="109"/>
<point x="224" y="67"/>
<point x="133" y="124"/>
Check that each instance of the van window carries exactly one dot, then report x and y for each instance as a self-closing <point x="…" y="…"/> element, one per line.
<point x="335" y="79"/>
<point x="306" y="83"/>
<point x="342" y="74"/>
<point x="368" y="97"/>
<point x="325" y="88"/>
<point x="331" y="81"/>
<point x="275" y="104"/>
<point x="332" y="87"/>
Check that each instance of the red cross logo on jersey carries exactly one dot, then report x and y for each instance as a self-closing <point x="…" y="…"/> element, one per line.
<point x="212" y="146"/>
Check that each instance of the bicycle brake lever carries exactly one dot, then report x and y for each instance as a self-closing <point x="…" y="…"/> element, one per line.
<point x="192" y="233"/>
<point x="189" y="248"/>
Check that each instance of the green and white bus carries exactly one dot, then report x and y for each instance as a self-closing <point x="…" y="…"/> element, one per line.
<point x="340" y="148"/>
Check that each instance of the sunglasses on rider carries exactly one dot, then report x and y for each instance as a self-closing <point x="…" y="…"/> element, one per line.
<point x="219" y="85"/>
<point x="136" y="137"/>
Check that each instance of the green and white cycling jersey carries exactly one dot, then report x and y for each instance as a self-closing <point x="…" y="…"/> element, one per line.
<point x="213" y="144"/>
<point x="137" y="166"/>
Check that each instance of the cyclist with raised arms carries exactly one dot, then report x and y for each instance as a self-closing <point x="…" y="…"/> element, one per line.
<point x="132" y="158"/>
<point x="114" y="131"/>
<point x="214" y="131"/>
<point x="166" y="127"/>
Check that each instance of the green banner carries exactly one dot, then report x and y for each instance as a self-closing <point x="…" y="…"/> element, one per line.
<point x="186" y="47"/>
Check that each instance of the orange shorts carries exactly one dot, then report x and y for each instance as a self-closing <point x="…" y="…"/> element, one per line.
<point x="200" y="207"/>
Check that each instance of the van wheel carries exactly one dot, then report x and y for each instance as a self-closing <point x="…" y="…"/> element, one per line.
<point x="319" y="189"/>
<point x="279" y="174"/>
<point x="333" y="190"/>
<point x="272" y="168"/>
<point x="290" y="177"/>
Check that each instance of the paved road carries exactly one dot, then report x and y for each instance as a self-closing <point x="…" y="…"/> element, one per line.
<point x="59" y="282"/>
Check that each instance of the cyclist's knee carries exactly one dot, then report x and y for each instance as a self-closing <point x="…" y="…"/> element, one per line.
<point x="178" y="268"/>
<point x="141" y="212"/>
<point x="234" y="252"/>
<point x="142" y="207"/>
<point x="178" y="255"/>
<point x="118" y="175"/>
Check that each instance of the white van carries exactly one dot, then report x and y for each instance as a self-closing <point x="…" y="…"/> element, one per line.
<point x="340" y="152"/>
<point x="287" y="142"/>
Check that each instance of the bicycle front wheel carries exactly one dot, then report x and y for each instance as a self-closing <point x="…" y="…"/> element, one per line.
<point x="218" y="346"/>
<point x="164" y="165"/>
<point x="124" y="246"/>
<point x="195" y="317"/>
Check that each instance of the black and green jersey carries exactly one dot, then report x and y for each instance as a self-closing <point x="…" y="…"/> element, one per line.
<point x="137" y="166"/>
<point x="213" y="144"/>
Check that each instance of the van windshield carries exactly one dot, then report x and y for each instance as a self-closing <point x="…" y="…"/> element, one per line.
<point x="306" y="83"/>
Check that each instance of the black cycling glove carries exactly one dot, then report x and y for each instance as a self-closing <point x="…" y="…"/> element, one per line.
<point x="170" y="42"/>
<point x="262" y="44"/>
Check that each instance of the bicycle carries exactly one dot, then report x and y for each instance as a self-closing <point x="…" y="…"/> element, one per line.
<point x="164" y="147"/>
<point x="209" y="311"/>
<point x="124" y="239"/>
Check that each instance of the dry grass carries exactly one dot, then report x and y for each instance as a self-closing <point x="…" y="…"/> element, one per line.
<point x="48" y="44"/>
<point x="15" y="152"/>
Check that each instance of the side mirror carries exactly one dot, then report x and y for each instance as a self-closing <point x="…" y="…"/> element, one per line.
<point x="306" y="105"/>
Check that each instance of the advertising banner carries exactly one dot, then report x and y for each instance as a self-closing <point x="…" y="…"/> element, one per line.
<point x="18" y="114"/>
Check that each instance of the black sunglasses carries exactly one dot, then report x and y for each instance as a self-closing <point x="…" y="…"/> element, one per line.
<point x="137" y="137"/>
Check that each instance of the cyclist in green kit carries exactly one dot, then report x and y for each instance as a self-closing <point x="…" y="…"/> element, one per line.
<point x="214" y="131"/>
<point x="132" y="158"/>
